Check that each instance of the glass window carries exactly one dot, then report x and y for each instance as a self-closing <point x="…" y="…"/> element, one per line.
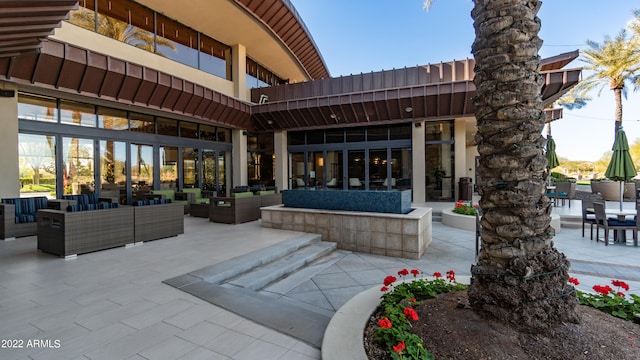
<point x="181" y="40"/>
<point x="190" y="168"/>
<point x="334" y="165"/>
<point x="315" y="137"/>
<point x="37" y="164"/>
<point x="208" y="170"/>
<point x="126" y="21"/>
<point x="401" y="168"/>
<point x="215" y="57"/>
<point x="439" y="131"/>
<point x="74" y="113"/>
<point x="296" y="138"/>
<point x="378" y="169"/>
<point x="113" y="170"/>
<point x="222" y="172"/>
<point x="207" y="132"/>
<point x="356" y="169"/>
<point x="141" y="168"/>
<point x="355" y="134"/>
<point x="377" y="133"/>
<point x="167" y="127"/>
<point x="141" y="123"/>
<point x="39" y="108"/>
<point x="298" y="179"/>
<point x="224" y="135"/>
<point x="112" y="119"/>
<point x="168" y="168"/>
<point x="398" y="132"/>
<point x="188" y="130"/>
<point x="78" y="166"/>
<point x="84" y="16"/>
<point x="335" y="136"/>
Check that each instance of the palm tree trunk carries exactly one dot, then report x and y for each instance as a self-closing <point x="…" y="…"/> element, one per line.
<point x="519" y="276"/>
<point x="618" y="95"/>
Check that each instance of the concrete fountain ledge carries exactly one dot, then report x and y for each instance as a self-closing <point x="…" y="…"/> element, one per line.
<point x="397" y="235"/>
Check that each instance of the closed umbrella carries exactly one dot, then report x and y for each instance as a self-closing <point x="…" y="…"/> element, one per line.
<point x="552" y="158"/>
<point x="621" y="167"/>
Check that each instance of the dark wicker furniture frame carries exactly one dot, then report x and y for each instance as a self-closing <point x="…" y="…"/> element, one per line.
<point x="158" y="221"/>
<point x="70" y="233"/>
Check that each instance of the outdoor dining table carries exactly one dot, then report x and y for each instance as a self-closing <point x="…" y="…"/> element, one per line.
<point x="620" y="235"/>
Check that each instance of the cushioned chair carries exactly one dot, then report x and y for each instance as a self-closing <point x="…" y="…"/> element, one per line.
<point x="610" y="224"/>
<point x="332" y="183"/>
<point x="386" y="182"/>
<point x="588" y="215"/>
<point x="565" y="191"/>
<point x="354" y="183"/>
<point x="300" y="182"/>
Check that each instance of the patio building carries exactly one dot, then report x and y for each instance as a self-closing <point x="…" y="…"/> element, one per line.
<point x="127" y="96"/>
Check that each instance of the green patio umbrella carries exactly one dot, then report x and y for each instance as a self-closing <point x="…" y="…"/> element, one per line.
<point x="552" y="158"/>
<point x="621" y="167"/>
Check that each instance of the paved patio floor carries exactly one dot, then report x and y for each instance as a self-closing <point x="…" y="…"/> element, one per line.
<point x="113" y="305"/>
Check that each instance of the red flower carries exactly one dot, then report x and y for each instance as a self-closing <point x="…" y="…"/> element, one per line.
<point x="621" y="284"/>
<point x="411" y="314"/>
<point x="384" y="323"/>
<point x="398" y="348"/>
<point x="389" y="280"/>
<point x="415" y="272"/>
<point x="437" y="275"/>
<point x="620" y="293"/>
<point x="603" y="290"/>
<point x="574" y="281"/>
<point x="451" y="275"/>
<point x="413" y="299"/>
<point x="403" y="272"/>
<point x="384" y="288"/>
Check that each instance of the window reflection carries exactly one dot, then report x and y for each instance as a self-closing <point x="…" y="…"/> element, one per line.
<point x="168" y="168"/>
<point x="37" y="164"/>
<point x="78" y="166"/>
<point x="74" y="113"/>
<point x="39" y="108"/>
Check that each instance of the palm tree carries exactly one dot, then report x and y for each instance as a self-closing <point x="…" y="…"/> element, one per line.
<point x="519" y="278"/>
<point x="614" y="63"/>
<point x="120" y="31"/>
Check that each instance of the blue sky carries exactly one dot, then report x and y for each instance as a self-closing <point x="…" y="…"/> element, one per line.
<point x="357" y="36"/>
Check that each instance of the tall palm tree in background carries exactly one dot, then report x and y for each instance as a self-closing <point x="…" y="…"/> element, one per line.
<point x="519" y="278"/>
<point x="614" y="63"/>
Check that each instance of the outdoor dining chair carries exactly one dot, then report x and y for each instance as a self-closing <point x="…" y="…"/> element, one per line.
<point x="588" y="215"/>
<point x="611" y="224"/>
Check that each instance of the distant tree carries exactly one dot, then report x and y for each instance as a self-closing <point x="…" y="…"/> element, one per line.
<point x="614" y="63"/>
<point x="634" y="150"/>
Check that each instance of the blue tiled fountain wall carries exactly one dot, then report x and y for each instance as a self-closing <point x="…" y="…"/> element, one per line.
<point x="393" y="202"/>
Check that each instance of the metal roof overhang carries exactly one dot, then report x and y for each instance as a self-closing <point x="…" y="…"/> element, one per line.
<point x="24" y="25"/>
<point x="67" y="68"/>
<point x="404" y="104"/>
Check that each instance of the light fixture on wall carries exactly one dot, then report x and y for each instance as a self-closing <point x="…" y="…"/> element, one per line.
<point x="269" y="122"/>
<point x="408" y="109"/>
<point x="418" y="124"/>
<point x="244" y="133"/>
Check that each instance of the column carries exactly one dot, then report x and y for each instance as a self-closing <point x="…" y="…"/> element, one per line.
<point x="10" y="186"/>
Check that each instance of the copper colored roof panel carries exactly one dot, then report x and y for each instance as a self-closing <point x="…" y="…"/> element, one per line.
<point x="284" y="21"/>
<point x="25" y="24"/>
<point x="75" y="70"/>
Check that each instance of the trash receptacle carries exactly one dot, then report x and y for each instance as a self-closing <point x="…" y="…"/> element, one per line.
<point x="465" y="189"/>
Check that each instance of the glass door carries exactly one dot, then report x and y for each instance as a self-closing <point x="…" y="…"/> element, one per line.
<point x="356" y="171"/>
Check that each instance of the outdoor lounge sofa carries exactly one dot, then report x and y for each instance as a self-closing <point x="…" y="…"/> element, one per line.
<point x="18" y="216"/>
<point x="78" y="231"/>
<point x="241" y="207"/>
<point x="184" y="198"/>
<point x="156" y="219"/>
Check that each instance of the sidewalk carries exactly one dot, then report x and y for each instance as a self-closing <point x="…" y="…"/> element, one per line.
<point x="113" y="304"/>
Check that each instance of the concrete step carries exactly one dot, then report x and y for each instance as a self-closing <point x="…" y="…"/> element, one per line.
<point x="259" y="277"/>
<point x="291" y="281"/>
